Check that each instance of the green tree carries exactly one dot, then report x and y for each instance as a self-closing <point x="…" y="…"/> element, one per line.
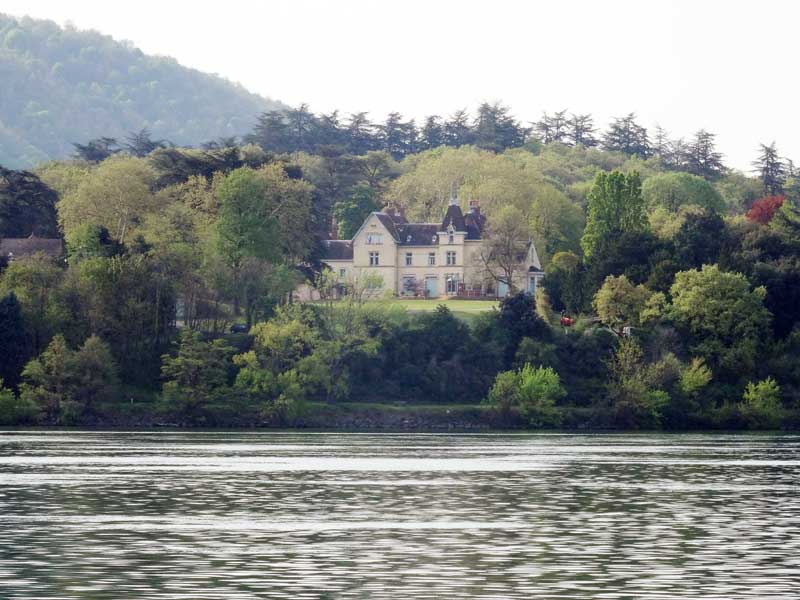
<point x="721" y="318"/>
<point x="619" y="303"/>
<point x="197" y="375"/>
<point x="46" y="380"/>
<point x="701" y="157"/>
<point x="674" y="190"/>
<point x="93" y="376"/>
<point x="771" y="170"/>
<point x="627" y="136"/>
<point x="533" y="391"/>
<point x="556" y="223"/>
<point x="14" y="341"/>
<point x="27" y="205"/>
<point x="90" y="240"/>
<point x="539" y="391"/>
<point x="34" y="281"/>
<point x="352" y="212"/>
<point x="761" y="404"/>
<point x="116" y="195"/>
<point x="15" y="410"/>
<point x="246" y="226"/>
<point x="565" y="282"/>
<point x="616" y="206"/>
<point x="129" y="302"/>
<point x="636" y="400"/>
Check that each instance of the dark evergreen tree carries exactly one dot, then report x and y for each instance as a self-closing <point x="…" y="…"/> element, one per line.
<point x="555" y="128"/>
<point x="15" y="346"/>
<point x="432" y="134"/>
<point x="496" y="129"/>
<point x="700" y="240"/>
<point x="627" y="136"/>
<point x="457" y="131"/>
<point x="398" y="138"/>
<point x="27" y="205"/>
<point x="361" y="136"/>
<point x="300" y="125"/>
<point x="98" y="150"/>
<point x="271" y="132"/>
<point x="329" y="130"/>
<point x="661" y="143"/>
<point x="141" y="143"/>
<point x="771" y="169"/>
<point x="581" y="131"/>
<point x="701" y="157"/>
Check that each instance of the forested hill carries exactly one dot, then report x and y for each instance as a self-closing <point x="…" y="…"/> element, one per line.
<point x="61" y="85"/>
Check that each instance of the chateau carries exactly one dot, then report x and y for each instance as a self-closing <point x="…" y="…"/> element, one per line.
<point x="428" y="260"/>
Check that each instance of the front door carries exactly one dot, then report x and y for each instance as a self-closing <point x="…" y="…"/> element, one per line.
<point x="432" y="287"/>
<point x="502" y="289"/>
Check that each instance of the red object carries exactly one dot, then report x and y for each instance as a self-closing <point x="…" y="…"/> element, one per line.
<point x="567" y="321"/>
<point x="764" y="209"/>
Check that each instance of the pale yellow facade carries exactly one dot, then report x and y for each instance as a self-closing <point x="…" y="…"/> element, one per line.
<point x="445" y="263"/>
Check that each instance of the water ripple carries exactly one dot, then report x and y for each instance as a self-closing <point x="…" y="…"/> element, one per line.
<point x="198" y="515"/>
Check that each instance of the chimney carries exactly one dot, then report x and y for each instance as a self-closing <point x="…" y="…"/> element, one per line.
<point x="334" y="232"/>
<point x="389" y="210"/>
<point x="475" y="207"/>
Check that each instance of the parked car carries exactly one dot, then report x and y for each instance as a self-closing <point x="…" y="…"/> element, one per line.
<point x="239" y="328"/>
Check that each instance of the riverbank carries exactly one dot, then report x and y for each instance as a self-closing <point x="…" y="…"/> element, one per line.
<point x="379" y="417"/>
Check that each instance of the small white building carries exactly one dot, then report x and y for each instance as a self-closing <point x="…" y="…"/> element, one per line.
<point x="428" y="260"/>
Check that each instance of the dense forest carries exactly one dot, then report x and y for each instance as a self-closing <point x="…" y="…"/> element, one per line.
<point x="678" y="279"/>
<point x="62" y="85"/>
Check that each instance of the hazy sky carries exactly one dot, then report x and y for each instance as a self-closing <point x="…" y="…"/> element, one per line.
<point x="730" y="67"/>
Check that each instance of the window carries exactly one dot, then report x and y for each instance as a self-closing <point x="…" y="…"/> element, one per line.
<point x="373" y="259"/>
<point x="431" y="258"/>
<point x="408" y="259"/>
<point x="451" y="258"/>
<point x="409" y="285"/>
<point x="451" y="239"/>
<point x="342" y="273"/>
<point x="452" y="283"/>
<point x="374" y="239"/>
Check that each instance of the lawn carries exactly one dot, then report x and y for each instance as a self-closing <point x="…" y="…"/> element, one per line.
<point x="464" y="309"/>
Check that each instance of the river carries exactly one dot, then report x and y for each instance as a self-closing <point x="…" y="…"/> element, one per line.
<point x="195" y="515"/>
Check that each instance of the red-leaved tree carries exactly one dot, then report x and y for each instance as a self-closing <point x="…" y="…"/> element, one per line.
<point x="764" y="209"/>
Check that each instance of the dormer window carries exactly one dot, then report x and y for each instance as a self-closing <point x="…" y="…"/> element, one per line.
<point x="451" y="238"/>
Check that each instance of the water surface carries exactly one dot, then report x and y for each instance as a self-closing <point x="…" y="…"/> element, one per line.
<point x="303" y="515"/>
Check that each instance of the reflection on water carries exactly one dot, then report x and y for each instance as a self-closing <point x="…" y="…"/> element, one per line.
<point x="277" y="515"/>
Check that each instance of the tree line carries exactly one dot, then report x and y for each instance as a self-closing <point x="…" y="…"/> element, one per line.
<point x="682" y="287"/>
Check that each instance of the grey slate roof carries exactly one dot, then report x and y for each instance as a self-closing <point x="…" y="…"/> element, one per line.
<point x="414" y="234"/>
<point x="418" y="234"/>
<point x="338" y="249"/>
<point x="455" y="217"/>
<point x="18" y="247"/>
<point x="388" y="222"/>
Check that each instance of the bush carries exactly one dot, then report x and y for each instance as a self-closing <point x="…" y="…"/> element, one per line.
<point x="761" y="404"/>
<point x="533" y="391"/>
<point x="14" y="410"/>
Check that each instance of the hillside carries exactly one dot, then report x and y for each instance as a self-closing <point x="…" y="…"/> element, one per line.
<point x="62" y="85"/>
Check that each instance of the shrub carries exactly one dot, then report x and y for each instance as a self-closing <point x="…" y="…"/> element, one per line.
<point x="533" y="391"/>
<point x="761" y="404"/>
